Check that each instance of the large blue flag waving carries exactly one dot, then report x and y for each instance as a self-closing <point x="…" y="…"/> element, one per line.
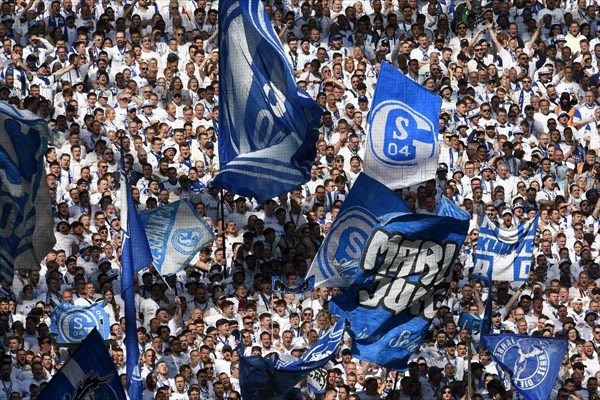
<point x="338" y="258"/>
<point x="88" y="374"/>
<point x="26" y="223"/>
<point x="267" y="126"/>
<point x="404" y="273"/>
<point x="503" y="254"/>
<point x="532" y="362"/>
<point x="402" y="144"/>
<point x="135" y="256"/>
<point x="73" y="323"/>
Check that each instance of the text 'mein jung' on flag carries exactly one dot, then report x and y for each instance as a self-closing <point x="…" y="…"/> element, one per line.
<point x="267" y="125"/>
<point x="26" y="223"/>
<point x="402" y="143"/>
<point x="502" y="254"/>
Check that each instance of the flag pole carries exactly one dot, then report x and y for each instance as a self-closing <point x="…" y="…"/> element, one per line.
<point x="223" y="226"/>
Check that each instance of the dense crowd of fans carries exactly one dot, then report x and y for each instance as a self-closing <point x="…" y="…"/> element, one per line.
<point x="518" y="132"/>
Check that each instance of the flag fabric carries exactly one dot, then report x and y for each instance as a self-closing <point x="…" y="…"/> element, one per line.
<point x="89" y="373"/>
<point x="26" y="223"/>
<point x="175" y="234"/>
<point x="135" y="256"/>
<point x="267" y="125"/>
<point x="280" y="285"/>
<point x="73" y="323"/>
<point x="469" y="321"/>
<point x="502" y="254"/>
<point x="338" y="257"/>
<point x="532" y="362"/>
<point x="318" y="354"/>
<point x="402" y="143"/>
<point x="262" y="378"/>
<point x="404" y="273"/>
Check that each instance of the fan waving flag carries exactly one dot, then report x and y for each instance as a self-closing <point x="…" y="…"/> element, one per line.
<point x="26" y="223"/>
<point x="267" y="126"/>
<point x="502" y="254"/>
<point x="403" y="277"/>
<point x="88" y="374"/>
<point x="402" y="144"/>
<point x="338" y="258"/>
<point x="135" y="256"/>
<point x="532" y="362"/>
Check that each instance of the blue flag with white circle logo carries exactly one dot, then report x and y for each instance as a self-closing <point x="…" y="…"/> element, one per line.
<point x="402" y="143"/>
<point x="267" y="125"/>
<point x="338" y="257"/>
<point x="532" y="362"/>
<point x="73" y="323"/>
<point x="401" y="280"/>
<point x="175" y="234"/>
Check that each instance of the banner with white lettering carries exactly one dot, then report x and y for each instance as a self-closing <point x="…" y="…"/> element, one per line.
<point x="532" y="362"/>
<point x="404" y="273"/>
<point x="503" y="254"/>
<point x="73" y="323"/>
<point x="175" y="234"/>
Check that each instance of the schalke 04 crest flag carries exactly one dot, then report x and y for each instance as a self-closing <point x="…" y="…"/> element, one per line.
<point x="502" y="254"/>
<point x="404" y="273"/>
<point x="338" y="258"/>
<point x="267" y="125"/>
<point x="73" y="323"/>
<point x="402" y="144"/>
<point x="532" y="362"/>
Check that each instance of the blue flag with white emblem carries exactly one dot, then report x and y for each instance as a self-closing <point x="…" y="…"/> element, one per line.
<point x="267" y="126"/>
<point x="135" y="256"/>
<point x="504" y="254"/>
<point x="26" y="223"/>
<point x="402" y="143"/>
<point x="175" y="233"/>
<point x="73" y="323"/>
<point x="338" y="257"/>
<point x="532" y="362"/>
<point x="89" y="373"/>
<point x="402" y="279"/>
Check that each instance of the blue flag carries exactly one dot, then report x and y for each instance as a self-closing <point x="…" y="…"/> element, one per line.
<point x="26" y="223"/>
<point x="262" y="378"/>
<point x="135" y="256"/>
<point x="470" y="321"/>
<point x="404" y="273"/>
<point x="73" y="323"/>
<point x="338" y="258"/>
<point x="402" y="143"/>
<point x="318" y="354"/>
<point x="89" y="372"/>
<point x="268" y="127"/>
<point x="502" y="254"/>
<point x="175" y="234"/>
<point x="532" y="362"/>
<point x="280" y="285"/>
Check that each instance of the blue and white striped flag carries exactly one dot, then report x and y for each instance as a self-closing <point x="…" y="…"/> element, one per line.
<point x="502" y="254"/>
<point x="402" y="144"/>
<point x="175" y="234"/>
<point x="88" y="374"/>
<point x="26" y="223"/>
<point x="267" y="125"/>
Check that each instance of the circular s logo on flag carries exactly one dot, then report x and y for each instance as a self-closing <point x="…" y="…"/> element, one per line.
<point x="352" y="229"/>
<point x="400" y="135"/>
<point x="74" y="326"/>
<point x="186" y="240"/>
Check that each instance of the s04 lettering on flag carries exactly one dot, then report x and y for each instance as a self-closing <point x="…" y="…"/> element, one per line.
<point x="402" y="143"/>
